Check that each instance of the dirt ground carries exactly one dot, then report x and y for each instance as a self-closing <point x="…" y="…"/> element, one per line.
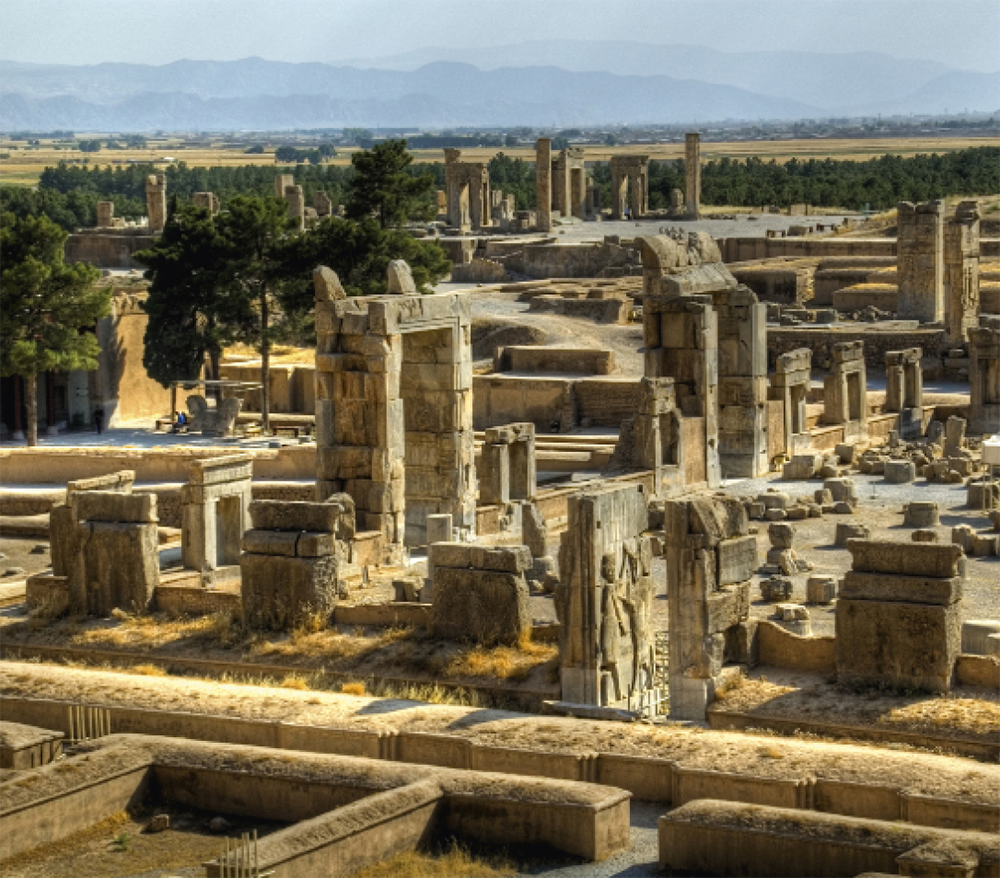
<point x="22" y="556"/>
<point x="123" y="846"/>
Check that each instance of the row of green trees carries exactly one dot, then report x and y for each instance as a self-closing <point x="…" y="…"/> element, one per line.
<point x="245" y="275"/>
<point x="67" y="194"/>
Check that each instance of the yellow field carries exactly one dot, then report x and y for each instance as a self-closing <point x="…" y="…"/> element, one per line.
<point x="21" y="165"/>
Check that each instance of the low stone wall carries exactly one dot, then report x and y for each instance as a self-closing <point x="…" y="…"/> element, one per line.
<point x="745" y="249"/>
<point x="978" y="670"/>
<point x="610" y="310"/>
<point x="885" y="297"/>
<point x="771" y="283"/>
<point x="719" y="838"/>
<point x="783" y="649"/>
<point x="547" y="401"/>
<point x="108" y="249"/>
<point x="877" y="342"/>
<point x="546" y="360"/>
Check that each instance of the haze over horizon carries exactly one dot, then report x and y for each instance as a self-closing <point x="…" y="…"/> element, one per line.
<point x="962" y="34"/>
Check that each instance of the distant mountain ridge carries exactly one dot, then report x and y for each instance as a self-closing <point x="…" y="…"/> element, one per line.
<point x="253" y="93"/>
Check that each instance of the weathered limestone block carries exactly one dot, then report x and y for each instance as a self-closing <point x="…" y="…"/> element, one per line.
<point x="842" y="490"/>
<point x="501" y="559"/>
<point x="794" y="618"/>
<point x="821" y="589"/>
<point x="939" y="590"/>
<point x="845" y="532"/>
<point x="898" y="472"/>
<point x="401" y="281"/>
<point x="781" y="535"/>
<point x="924" y="536"/>
<point x="921" y="513"/>
<point x="439" y="528"/>
<point x="326" y="285"/>
<point x="296" y="515"/>
<point x="954" y="435"/>
<point x="278" y="591"/>
<point x="801" y="467"/>
<point x="902" y="644"/>
<point x="976" y="635"/>
<point x="883" y="556"/>
<point x="117" y="567"/>
<point x="485" y="606"/>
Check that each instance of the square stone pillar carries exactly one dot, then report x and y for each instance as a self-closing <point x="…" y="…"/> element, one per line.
<point x="920" y="261"/>
<point x="905" y="390"/>
<point x="543" y="184"/>
<point x="156" y="202"/>
<point x="961" y="278"/>
<point x="984" y="377"/>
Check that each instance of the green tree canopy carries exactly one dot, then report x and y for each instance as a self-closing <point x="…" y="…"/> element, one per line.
<point x="381" y="187"/>
<point x="48" y="307"/>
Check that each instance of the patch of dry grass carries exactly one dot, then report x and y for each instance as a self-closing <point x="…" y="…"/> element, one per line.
<point x="455" y="862"/>
<point x="515" y="663"/>
<point x="149" y="670"/>
<point x="295" y="681"/>
<point x="353" y="689"/>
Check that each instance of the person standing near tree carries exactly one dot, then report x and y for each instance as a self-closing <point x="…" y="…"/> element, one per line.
<point x="99" y="420"/>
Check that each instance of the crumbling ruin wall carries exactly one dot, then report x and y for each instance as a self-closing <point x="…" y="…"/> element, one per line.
<point x="845" y="391"/>
<point x="984" y="376"/>
<point x="790" y="385"/>
<point x="394" y="409"/>
<point x="905" y="390"/>
<point x="604" y="599"/>
<point x="961" y="272"/>
<point x="711" y="558"/>
<point x="920" y="261"/>
<point x="629" y="186"/>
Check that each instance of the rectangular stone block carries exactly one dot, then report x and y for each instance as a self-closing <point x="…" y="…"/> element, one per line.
<point x="899" y="644"/>
<point x="117" y="568"/>
<point x="941" y="591"/>
<point x="737" y="560"/>
<point x="909" y="559"/>
<point x="344" y="462"/>
<point x="487" y="607"/>
<point x="506" y="559"/>
<point x="727" y="607"/>
<point x="278" y="591"/>
<point x="289" y="543"/>
<point x="119" y="481"/>
<point x="295" y="515"/>
<point x="114" y="506"/>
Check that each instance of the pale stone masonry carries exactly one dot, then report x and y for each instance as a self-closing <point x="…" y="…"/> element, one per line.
<point x="543" y="184"/>
<point x="961" y="272"/>
<point x="604" y="599"/>
<point x="692" y="174"/>
<point x="207" y="200"/>
<point x="216" y="502"/>
<point x="898" y="619"/>
<point x="920" y="261"/>
<point x="629" y="185"/>
<point x="845" y="391"/>
<point x="984" y="376"/>
<point x="394" y="411"/>
<point x="569" y="182"/>
<point x="293" y="560"/>
<point x="467" y="188"/>
<point x="711" y="558"/>
<point x="508" y="464"/>
<point x="905" y="390"/>
<point x="156" y="202"/>
<point x="790" y="385"/>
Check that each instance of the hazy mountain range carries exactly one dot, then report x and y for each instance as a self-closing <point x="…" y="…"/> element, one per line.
<point x="536" y="84"/>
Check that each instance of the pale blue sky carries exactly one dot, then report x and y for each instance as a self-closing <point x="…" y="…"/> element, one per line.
<point x="961" y="33"/>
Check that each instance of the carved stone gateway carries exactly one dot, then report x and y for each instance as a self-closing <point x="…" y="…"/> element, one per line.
<point x="216" y="501"/>
<point x="845" y="391"/>
<point x="508" y="464"/>
<point x="905" y="390"/>
<point x="394" y="411"/>
<point x="604" y="599"/>
<point x="629" y="185"/>
<point x="790" y="384"/>
<point x="467" y="188"/>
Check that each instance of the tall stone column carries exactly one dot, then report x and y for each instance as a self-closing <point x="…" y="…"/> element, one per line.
<point x="156" y="202"/>
<point x="920" y="261"/>
<point x="296" y="205"/>
<point x="961" y="272"/>
<point x="543" y="184"/>
<point x="692" y="169"/>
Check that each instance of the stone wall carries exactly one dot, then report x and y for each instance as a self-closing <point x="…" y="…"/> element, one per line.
<point x="877" y="343"/>
<point x="106" y="248"/>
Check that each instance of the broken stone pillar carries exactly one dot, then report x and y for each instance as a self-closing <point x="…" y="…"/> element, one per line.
<point x="156" y="202"/>
<point x="676" y="202"/>
<point x="480" y="593"/>
<point x="322" y="203"/>
<point x="742" y="394"/>
<point x="905" y="390"/>
<point x="681" y="342"/>
<point x="400" y="279"/>
<point x="898" y="619"/>
<point x="984" y="377"/>
<point x="604" y="600"/>
<point x="961" y="272"/>
<point x="920" y="261"/>
<point x="117" y="563"/>
<point x="508" y="464"/>
<point x="543" y="184"/>
<point x="326" y="285"/>
<point x="692" y="174"/>
<point x="292" y="562"/>
<point x="105" y="214"/>
<point x="281" y="183"/>
<point x="215" y="501"/>
<point x="394" y="412"/>
<point x="790" y="384"/>
<point x="208" y="200"/>
<point x="296" y="205"/>
<point x="845" y="391"/>
<point x="711" y="558"/>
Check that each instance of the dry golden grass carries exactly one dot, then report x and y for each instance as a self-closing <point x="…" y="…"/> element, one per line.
<point x="149" y="670"/>
<point x="295" y="681"/>
<point x="353" y="689"/>
<point x="502" y="662"/>
<point x="455" y="862"/>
